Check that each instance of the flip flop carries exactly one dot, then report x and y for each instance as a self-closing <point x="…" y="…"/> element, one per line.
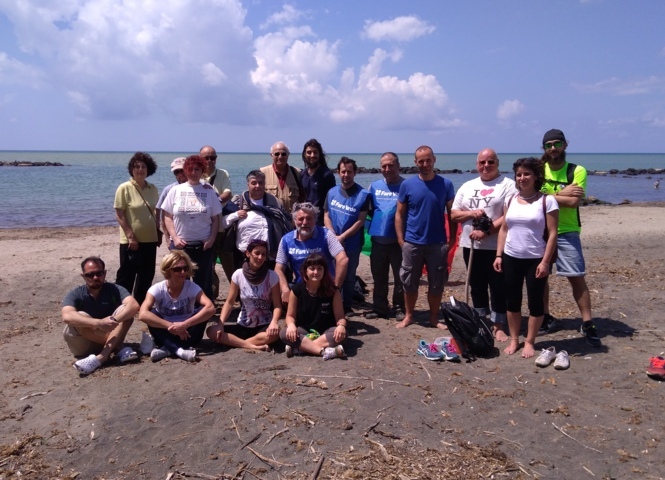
<point x="87" y="365"/>
<point x="127" y="355"/>
<point x="656" y="368"/>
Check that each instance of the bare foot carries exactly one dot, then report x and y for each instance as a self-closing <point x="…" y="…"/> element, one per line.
<point x="528" y="351"/>
<point x="262" y="348"/>
<point x="512" y="347"/>
<point x="404" y="323"/>
<point x="500" y="335"/>
<point x="437" y="324"/>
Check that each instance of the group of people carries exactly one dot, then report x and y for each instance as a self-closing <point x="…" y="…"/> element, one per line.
<point x="292" y="241"/>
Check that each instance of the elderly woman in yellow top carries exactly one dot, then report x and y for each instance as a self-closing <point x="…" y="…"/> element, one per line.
<point x="134" y="205"/>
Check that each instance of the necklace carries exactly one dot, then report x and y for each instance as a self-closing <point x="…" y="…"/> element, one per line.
<point x="529" y="198"/>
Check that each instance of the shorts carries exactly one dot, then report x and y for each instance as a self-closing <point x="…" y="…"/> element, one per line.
<point x="414" y="257"/>
<point x="79" y="345"/>
<point x="570" y="261"/>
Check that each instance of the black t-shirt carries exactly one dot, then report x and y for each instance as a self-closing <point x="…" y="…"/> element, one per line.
<point x="313" y="312"/>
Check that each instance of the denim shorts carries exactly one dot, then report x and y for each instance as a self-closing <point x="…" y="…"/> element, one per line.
<point x="570" y="262"/>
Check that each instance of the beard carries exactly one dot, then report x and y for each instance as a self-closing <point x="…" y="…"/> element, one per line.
<point x="558" y="156"/>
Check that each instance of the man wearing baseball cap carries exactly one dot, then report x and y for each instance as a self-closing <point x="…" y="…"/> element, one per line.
<point x="567" y="182"/>
<point x="177" y="170"/>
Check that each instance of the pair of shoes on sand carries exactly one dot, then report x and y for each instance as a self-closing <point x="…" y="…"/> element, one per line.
<point x="549" y="355"/>
<point x="89" y="364"/>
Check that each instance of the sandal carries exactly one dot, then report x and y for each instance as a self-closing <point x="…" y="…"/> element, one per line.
<point x="656" y="368"/>
<point x="87" y="365"/>
<point x="126" y="354"/>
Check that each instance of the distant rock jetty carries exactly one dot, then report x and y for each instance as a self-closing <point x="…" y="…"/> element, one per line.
<point x="16" y="163"/>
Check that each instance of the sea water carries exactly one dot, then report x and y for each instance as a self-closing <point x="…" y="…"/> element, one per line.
<point x="82" y="193"/>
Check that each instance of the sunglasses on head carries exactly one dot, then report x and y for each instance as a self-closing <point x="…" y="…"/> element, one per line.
<point x="99" y="273"/>
<point x="554" y="144"/>
<point x="180" y="269"/>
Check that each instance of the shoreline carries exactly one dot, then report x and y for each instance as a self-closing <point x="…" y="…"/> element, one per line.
<point x="592" y="202"/>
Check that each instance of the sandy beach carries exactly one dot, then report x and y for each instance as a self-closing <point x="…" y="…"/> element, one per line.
<point x="384" y="412"/>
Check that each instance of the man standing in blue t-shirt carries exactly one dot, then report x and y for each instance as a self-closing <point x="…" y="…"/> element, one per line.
<point x="345" y="211"/>
<point x="419" y="225"/>
<point x="386" y="252"/>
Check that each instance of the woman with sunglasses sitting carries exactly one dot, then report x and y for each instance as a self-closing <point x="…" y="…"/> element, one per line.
<point x="176" y="310"/>
<point x="258" y="288"/>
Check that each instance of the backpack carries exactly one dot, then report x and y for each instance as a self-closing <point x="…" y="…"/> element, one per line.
<point x="471" y="332"/>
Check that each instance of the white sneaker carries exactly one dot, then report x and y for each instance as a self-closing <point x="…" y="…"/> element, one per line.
<point x="188" y="355"/>
<point x="147" y="343"/>
<point x="158" y="354"/>
<point x="546" y="357"/>
<point x="562" y="361"/>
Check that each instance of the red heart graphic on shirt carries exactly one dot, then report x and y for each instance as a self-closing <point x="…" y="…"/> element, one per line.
<point x="486" y="192"/>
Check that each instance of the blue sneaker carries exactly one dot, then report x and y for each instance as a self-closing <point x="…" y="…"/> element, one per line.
<point x="450" y="353"/>
<point x="430" y="351"/>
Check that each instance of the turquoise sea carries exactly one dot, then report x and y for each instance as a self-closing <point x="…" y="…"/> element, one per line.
<point x="81" y="194"/>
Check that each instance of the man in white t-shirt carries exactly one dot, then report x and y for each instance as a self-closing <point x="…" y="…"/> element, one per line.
<point x="478" y="206"/>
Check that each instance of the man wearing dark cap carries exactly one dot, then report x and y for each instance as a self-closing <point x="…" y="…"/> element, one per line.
<point x="567" y="182"/>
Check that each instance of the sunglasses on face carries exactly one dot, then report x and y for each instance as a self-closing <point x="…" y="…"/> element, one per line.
<point x="486" y="162"/>
<point x="178" y="172"/>
<point x="210" y="158"/>
<point x="280" y="154"/>
<point x="91" y="275"/>
<point x="180" y="269"/>
<point x="554" y="144"/>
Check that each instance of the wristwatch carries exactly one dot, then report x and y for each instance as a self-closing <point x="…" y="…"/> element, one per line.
<point x="113" y="318"/>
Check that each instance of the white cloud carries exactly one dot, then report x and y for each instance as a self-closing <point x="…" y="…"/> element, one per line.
<point x="402" y="29"/>
<point x="15" y="72"/>
<point x="621" y="87"/>
<point x="287" y="15"/>
<point x="509" y="109"/>
<point x="131" y="59"/>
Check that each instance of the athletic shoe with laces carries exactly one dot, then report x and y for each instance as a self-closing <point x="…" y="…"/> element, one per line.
<point x="546" y="357"/>
<point x="588" y="330"/>
<point x="562" y="362"/>
<point x="158" y="354"/>
<point x="547" y="325"/>
<point x="372" y="315"/>
<point x="188" y="355"/>
<point x="333" y="352"/>
<point x="450" y="353"/>
<point x="431" y="351"/>
<point x="147" y="343"/>
<point x="399" y="314"/>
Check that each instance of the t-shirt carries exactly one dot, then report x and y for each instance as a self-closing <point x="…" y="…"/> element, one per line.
<point x="192" y="207"/>
<point x="221" y="183"/>
<point x="256" y="300"/>
<point x="555" y="181"/>
<point x="313" y="313"/>
<point x="140" y="218"/>
<point x="175" y="309"/>
<point x="426" y="205"/>
<point x="293" y="252"/>
<point x="110" y="297"/>
<point x="316" y="187"/>
<point x="489" y="196"/>
<point x="526" y="226"/>
<point x="344" y="207"/>
<point x="253" y="227"/>
<point x="164" y="193"/>
<point x="384" y="205"/>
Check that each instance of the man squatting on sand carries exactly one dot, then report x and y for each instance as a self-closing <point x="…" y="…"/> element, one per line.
<point x="97" y="317"/>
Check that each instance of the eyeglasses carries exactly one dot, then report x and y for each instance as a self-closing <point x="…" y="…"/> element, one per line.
<point x="554" y="144"/>
<point x="280" y="154"/>
<point x="486" y="162"/>
<point x="180" y="269"/>
<point x="178" y="172"/>
<point x="99" y="273"/>
<point x="210" y="158"/>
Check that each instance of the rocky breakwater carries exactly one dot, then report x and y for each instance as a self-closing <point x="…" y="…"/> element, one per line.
<point x="16" y="163"/>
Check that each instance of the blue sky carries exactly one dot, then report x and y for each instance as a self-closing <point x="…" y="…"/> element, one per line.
<point x="360" y="76"/>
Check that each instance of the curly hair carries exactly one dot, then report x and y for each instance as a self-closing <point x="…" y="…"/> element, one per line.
<point x="172" y="258"/>
<point x="535" y="165"/>
<point x="194" y="161"/>
<point x="314" y="143"/>
<point x="142" y="157"/>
